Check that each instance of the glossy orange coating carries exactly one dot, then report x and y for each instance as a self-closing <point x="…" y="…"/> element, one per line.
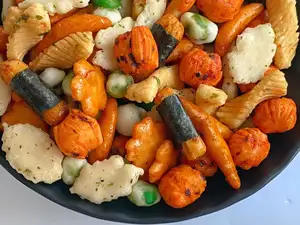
<point x="141" y="149"/>
<point x="198" y="67"/>
<point x="249" y="147"/>
<point x="181" y="186"/>
<point x="178" y="7"/>
<point x="70" y="25"/>
<point x="260" y="19"/>
<point x="78" y="134"/>
<point x="172" y="26"/>
<point x="10" y="68"/>
<point x="136" y="53"/>
<point x="88" y="87"/>
<point x="217" y="147"/>
<point x="118" y="145"/>
<point x="204" y="164"/>
<point x="107" y="122"/>
<point x="229" y="30"/>
<point x="56" y="114"/>
<point x="219" y="11"/>
<point x="166" y="158"/>
<point x="76" y="11"/>
<point x="3" y="40"/>
<point x="15" y="97"/>
<point x="21" y="113"/>
<point x="183" y="47"/>
<point x="276" y="115"/>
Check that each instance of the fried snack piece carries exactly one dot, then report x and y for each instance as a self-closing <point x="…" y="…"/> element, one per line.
<point x="235" y="112"/>
<point x="70" y="25"/>
<point x="217" y="147"/>
<point x="276" y="115"/>
<point x="204" y="164"/>
<point x="181" y="186"/>
<point x="232" y="28"/>
<point x="183" y="48"/>
<point x="9" y="69"/>
<point x="228" y="86"/>
<point x="141" y="149"/>
<point x="219" y="11"/>
<point x="15" y="97"/>
<point x="3" y="40"/>
<point x="178" y="7"/>
<point x="146" y="90"/>
<point x="137" y="8"/>
<point x="78" y="134"/>
<point x="172" y="26"/>
<point x="88" y="87"/>
<point x="26" y="28"/>
<point x="192" y="110"/>
<point x="107" y="122"/>
<point x="198" y="67"/>
<point x="21" y="113"/>
<point x="210" y="98"/>
<point x="136" y="53"/>
<point x="166" y="158"/>
<point x="249" y="147"/>
<point x="64" y="53"/>
<point x="283" y="17"/>
<point x="118" y="145"/>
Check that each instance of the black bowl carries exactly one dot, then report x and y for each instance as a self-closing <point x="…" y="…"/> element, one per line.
<point x="217" y="196"/>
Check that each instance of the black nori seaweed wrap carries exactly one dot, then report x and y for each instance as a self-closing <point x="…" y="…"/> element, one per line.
<point x="31" y="89"/>
<point x="164" y="41"/>
<point x="177" y="120"/>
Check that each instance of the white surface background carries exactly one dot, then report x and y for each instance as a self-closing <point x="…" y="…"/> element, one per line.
<point x="276" y="204"/>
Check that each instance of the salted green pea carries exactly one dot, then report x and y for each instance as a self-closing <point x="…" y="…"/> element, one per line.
<point x="144" y="194"/>
<point x="118" y="83"/>
<point x="198" y="28"/>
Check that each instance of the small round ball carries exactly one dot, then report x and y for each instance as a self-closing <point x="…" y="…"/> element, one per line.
<point x="78" y="134"/>
<point x="181" y="186"/>
<point x="219" y="11"/>
<point x="199" y="67"/>
<point x="276" y="115"/>
<point x="249" y="147"/>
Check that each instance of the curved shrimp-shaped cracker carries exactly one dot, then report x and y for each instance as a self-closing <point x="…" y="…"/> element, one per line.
<point x="26" y="28"/>
<point x="64" y="53"/>
<point x="235" y="112"/>
<point x="283" y="17"/>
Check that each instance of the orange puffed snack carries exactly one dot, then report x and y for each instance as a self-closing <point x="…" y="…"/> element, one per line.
<point x="78" y="134"/>
<point x="198" y="67"/>
<point x="219" y="11"/>
<point x="88" y="87"/>
<point x="276" y="115"/>
<point x="249" y="147"/>
<point x="181" y="186"/>
<point x="118" y="145"/>
<point x="204" y="164"/>
<point x="147" y="136"/>
<point x="166" y="158"/>
<point x="20" y="112"/>
<point x="136" y="53"/>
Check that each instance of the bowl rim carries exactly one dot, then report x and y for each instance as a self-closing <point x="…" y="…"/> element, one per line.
<point x="239" y="196"/>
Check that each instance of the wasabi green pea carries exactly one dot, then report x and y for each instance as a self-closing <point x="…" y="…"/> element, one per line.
<point x="118" y="83"/>
<point x="198" y="28"/>
<point x="66" y="84"/>
<point x="144" y="194"/>
<point x="71" y="169"/>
